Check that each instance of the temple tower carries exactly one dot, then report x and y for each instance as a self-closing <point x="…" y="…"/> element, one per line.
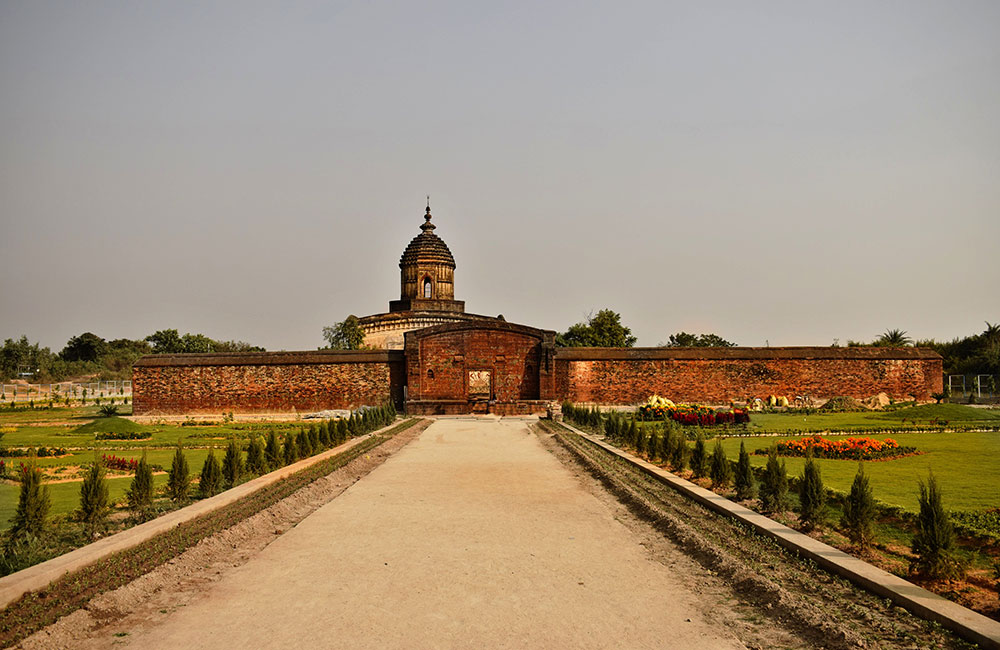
<point x="427" y="274"/>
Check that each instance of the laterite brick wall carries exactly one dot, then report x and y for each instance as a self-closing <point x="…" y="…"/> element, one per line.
<point x="270" y="382"/>
<point x="717" y="375"/>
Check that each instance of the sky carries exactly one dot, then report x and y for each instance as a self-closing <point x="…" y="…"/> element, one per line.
<point x="782" y="173"/>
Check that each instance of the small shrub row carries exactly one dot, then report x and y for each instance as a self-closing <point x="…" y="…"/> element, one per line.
<point x="39" y="452"/>
<point x="123" y="435"/>
<point x="846" y="449"/>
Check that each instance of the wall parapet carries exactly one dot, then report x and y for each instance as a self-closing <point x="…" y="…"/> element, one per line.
<point x="317" y="357"/>
<point x="725" y="354"/>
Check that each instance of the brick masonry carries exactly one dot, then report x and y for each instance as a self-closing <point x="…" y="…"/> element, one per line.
<point x="717" y="375"/>
<point x="525" y="371"/>
<point x="269" y="382"/>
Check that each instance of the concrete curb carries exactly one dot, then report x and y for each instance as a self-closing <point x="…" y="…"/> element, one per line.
<point x="961" y="620"/>
<point x="15" y="585"/>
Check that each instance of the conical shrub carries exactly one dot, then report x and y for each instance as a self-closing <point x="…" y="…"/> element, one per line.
<point x="858" y="518"/>
<point x="210" y="482"/>
<point x="256" y="463"/>
<point x="179" y="476"/>
<point x="720" y="470"/>
<point x="314" y="443"/>
<point x="272" y="451"/>
<point x="140" y="492"/>
<point x="812" y="495"/>
<point x="324" y="434"/>
<point x="699" y="456"/>
<point x="304" y="445"/>
<point x="774" y="487"/>
<point x="746" y="482"/>
<point x="679" y="452"/>
<point x="95" y="503"/>
<point x="290" y="449"/>
<point x="934" y="542"/>
<point x="232" y="464"/>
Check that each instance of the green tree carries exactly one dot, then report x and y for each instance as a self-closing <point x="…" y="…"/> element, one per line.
<point x="720" y="471"/>
<point x="604" y="330"/>
<point x="94" y="501"/>
<point x="232" y="464"/>
<point x="32" y="505"/>
<point x="304" y="444"/>
<point x="140" y="491"/>
<point x="812" y="494"/>
<point x="934" y="542"/>
<point x="894" y="339"/>
<point x="256" y="462"/>
<point x="290" y="449"/>
<point x="314" y="441"/>
<point x="679" y="453"/>
<point x="746" y="482"/>
<point x="699" y="456"/>
<point x="859" y="511"/>
<point x="165" y="342"/>
<point x="685" y="340"/>
<point x="345" y="335"/>
<point x="179" y="476"/>
<point x="210" y="482"/>
<point x="272" y="451"/>
<point x="85" y="347"/>
<point x="774" y="487"/>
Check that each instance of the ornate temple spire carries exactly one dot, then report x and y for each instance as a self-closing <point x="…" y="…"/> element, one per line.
<point x="427" y="226"/>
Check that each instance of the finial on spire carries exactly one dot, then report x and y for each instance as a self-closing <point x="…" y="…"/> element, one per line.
<point x="427" y="225"/>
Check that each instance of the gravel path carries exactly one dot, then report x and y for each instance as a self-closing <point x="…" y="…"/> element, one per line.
<point x="473" y="535"/>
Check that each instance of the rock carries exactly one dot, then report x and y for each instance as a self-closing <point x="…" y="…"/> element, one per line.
<point x="327" y="415"/>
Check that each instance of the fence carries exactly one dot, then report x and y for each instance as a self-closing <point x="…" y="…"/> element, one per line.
<point x="62" y="390"/>
<point x="985" y="387"/>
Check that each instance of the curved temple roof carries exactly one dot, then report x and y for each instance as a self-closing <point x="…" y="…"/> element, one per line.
<point x="427" y="247"/>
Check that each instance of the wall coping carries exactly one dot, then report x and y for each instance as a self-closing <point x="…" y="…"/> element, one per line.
<point x="961" y="620"/>
<point x="313" y="357"/>
<point x="724" y="354"/>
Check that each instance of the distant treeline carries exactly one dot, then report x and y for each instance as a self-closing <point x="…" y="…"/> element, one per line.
<point x="88" y="354"/>
<point x="971" y="355"/>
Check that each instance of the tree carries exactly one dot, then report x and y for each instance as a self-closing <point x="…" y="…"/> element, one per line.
<point x="32" y="505"/>
<point x="290" y="449"/>
<point x="720" y="470"/>
<point x="94" y="500"/>
<point x="256" y="463"/>
<point x="232" y="464"/>
<point x="210" y="482"/>
<point x="272" y="451"/>
<point x="179" y="477"/>
<point x="85" y="347"/>
<point x="603" y="330"/>
<point x="746" y="482"/>
<point x="894" y="339"/>
<point x="699" y="456"/>
<point x="166" y="342"/>
<point x="934" y="542"/>
<point x="859" y="511"/>
<point x="812" y="496"/>
<point x="304" y="444"/>
<point x="685" y="340"/>
<point x="345" y="335"/>
<point x="140" y="491"/>
<point x="774" y="487"/>
<point x="679" y="453"/>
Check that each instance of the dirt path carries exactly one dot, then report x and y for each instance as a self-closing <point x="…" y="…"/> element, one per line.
<point x="471" y="536"/>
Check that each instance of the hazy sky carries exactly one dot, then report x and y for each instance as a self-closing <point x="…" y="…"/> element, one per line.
<point x="784" y="171"/>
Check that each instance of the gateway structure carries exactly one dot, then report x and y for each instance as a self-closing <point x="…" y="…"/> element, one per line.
<point x="431" y="357"/>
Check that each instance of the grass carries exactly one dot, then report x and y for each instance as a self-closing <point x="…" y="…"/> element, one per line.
<point x="966" y="464"/>
<point x="66" y="496"/>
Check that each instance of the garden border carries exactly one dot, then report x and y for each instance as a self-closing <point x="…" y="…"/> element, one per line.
<point x="39" y="576"/>
<point x="961" y="620"/>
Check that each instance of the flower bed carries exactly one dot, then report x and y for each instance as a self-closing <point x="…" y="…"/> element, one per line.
<point x="846" y="449"/>
<point x="122" y="464"/>
<point x="690" y="414"/>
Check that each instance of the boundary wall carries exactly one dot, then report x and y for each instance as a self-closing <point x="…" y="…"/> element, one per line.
<point x="718" y="375"/>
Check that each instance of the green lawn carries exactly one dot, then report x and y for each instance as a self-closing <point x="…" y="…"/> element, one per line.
<point x="923" y="415"/>
<point x="967" y="466"/>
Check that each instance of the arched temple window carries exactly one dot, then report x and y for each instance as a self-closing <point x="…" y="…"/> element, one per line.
<point x="427" y="287"/>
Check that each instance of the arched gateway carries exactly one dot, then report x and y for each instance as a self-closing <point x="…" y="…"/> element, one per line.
<point x="479" y="367"/>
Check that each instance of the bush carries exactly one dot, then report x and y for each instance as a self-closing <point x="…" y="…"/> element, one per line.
<point x="94" y="500"/>
<point x="342" y="431"/>
<point x="290" y="449"/>
<point x="699" y="456"/>
<point x="108" y="411"/>
<point x="304" y="445"/>
<point x="32" y="505"/>
<point x="210" y="482"/>
<point x="314" y="442"/>
<point x="934" y="542"/>
<point x="720" y="470"/>
<point x="859" y="511"/>
<point x="324" y="434"/>
<point x="272" y="451"/>
<point x="640" y="441"/>
<point x="812" y="496"/>
<point x="679" y="451"/>
<point x="140" y="492"/>
<point x="256" y="463"/>
<point x="232" y="464"/>
<point x="774" y="487"/>
<point x="179" y="477"/>
<point x="746" y="482"/>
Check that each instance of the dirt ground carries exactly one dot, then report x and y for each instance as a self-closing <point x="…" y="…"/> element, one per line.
<point x="472" y="535"/>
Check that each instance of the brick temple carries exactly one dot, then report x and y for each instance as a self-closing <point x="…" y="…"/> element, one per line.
<point x="429" y="356"/>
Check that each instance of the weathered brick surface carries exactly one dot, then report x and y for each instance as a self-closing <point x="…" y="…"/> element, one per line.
<point x="265" y="382"/>
<point x="518" y="358"/>
<point x="719" y="375"/>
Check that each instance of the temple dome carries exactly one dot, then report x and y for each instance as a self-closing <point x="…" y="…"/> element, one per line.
<point x="427" y="247"/>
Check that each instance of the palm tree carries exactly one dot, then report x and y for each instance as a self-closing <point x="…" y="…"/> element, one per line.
<point x="992" y="332"/>
<point x="894" y="339"/>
